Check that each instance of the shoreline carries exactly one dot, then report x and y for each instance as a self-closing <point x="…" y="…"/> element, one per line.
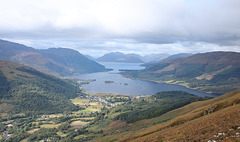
<point x="169" y="82"/>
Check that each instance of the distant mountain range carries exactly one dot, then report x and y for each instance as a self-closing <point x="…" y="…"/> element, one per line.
<point x="167" y="58"/>
<point x="55" y="61"/>
<point x="213" y="72"/>
<point x="24" y="89"/>
<point x="120" y="57"/>
<point x="131" y="58"/>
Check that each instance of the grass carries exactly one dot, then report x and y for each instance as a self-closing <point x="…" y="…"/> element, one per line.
<point x="24" y="140"/>
<point x="3" y="115"/>
<point x="87" y="118"/>
<point x="178" y="82"/>
<point x="8" y="122"/>
<point x="79" y="101"/>
<point x="119" y="103"/>
<point x="61" y="134"/>
<point x="79" y="137"/>
<point x="192" y="113"/>
<point x="183" y="123"/>
<point x="85" y="111"/>
<point x="76" y="123"/>
<point x="203" y="128"/>
<point x="94" y="104"/>
<point x="7" y="67"/>
<point x="50" y="125"/>
<point x="0" y="137"/>
<point x="83" y="119"/>
<point x="32" y="131"/>
<point x="55" y="115"/>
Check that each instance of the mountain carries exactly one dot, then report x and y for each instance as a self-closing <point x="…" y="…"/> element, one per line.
<point x="177" y="56"/>
<point x="24" y="89"/>
<point x="213" y="72"/>
<point x="155" y="57"/>
<point x="120" y="57"/>
<point x="216" y="119"/>
<point x="90" y="57"/>
<point x="55" y="61"/>
<point x="71" y="60"/>
<point x="172" y="57"/>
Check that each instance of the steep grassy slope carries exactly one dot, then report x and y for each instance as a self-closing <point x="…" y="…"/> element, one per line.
<point x="132" y="116"/>
<point x="214" y="72"/>
<point x="24" y="89"/>
<point x="214" y="119"/>
<point x="55" y="61"/>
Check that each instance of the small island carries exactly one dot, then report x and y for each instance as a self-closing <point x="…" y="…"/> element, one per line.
<point x="109" y="81"/>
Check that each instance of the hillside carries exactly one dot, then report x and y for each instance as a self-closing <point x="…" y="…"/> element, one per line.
<point x="24" y="90"/>
<point x="90" y="57"/>
<point x="71" y="60"/>
<point x="155" y="57"/>
<point x="213" y="72"/>
<point x="120" y="57"/>
<point x="55" y="61"/>
<point x="168" y="58"/>
<point x="214" y="119"/>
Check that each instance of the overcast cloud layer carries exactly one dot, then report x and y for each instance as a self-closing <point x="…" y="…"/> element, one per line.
<point x="142" y="26"/>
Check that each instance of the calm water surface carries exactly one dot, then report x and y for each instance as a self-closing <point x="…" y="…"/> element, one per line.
<point x="127" y="86"/>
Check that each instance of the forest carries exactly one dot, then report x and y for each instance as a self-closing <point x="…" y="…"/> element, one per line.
<point x="25" y="90"/>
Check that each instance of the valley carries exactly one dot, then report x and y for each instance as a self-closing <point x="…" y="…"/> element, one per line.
<point x="96" y="112"/>
<point x="152" y="104"/>
<point x="67" y="126"/>
<point x="120" y="71"/>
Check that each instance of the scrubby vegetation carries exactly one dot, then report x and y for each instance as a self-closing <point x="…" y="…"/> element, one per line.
<point x="25" y="90"/>
<point x="153" y="106"/>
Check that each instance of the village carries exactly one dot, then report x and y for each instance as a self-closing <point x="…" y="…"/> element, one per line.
<point x="89" y="106"/>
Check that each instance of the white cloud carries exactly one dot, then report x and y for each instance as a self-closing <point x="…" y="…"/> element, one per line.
<point x="129" y="25"/>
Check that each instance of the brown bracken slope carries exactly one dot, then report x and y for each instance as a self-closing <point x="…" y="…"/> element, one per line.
<point x="215" y="119"/>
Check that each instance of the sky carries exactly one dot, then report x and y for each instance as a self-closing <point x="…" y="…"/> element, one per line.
<point x="96" y="27"/>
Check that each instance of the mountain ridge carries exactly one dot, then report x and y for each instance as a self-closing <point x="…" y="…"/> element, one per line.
<point x="49" y="60"/>
<point x="120" y="57"/>
<point x="212" y="72"/>
<point x="171" y="57"/>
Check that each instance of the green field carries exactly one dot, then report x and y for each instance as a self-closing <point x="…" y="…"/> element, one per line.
<point x="79" y="101"/>
<point x="32" y="131"/>
<point x="50" y="125"/>
<point x="76" y="123"/>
